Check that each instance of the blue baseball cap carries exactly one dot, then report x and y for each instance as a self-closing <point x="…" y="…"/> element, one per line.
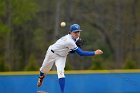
<point x="75" y="28"/>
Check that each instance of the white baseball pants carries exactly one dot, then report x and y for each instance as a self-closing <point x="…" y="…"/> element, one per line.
<point x="52" y="58"/>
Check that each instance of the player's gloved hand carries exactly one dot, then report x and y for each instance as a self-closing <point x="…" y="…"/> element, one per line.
<point x="98" y="52"/>
<point x="79" y="42"/>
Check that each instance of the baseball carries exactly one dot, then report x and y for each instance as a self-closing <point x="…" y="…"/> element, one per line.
<point x="63" y="24"/>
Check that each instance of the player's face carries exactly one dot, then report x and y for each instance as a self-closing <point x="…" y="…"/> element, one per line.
<point x="75" y="34"/>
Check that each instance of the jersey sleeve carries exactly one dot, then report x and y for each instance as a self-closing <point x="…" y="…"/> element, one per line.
<point x="72" y="46"/>
<point x="84" y="53"/>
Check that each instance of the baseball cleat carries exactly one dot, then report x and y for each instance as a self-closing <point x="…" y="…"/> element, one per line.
<point x="40" y="80"/>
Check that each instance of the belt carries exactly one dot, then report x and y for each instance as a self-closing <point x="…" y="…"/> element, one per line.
<point x="52" y="50"/>
<point x="56" y="53"/>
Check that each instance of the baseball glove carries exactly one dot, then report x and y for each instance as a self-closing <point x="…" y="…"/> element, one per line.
<point x="79" y="43"/>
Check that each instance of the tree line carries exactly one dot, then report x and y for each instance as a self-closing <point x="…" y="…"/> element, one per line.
<point x="28" y="27"/>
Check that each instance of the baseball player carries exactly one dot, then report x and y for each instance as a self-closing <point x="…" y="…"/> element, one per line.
<point x="57" y="53"/>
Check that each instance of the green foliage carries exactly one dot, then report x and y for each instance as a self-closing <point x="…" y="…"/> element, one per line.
<point x="32" y="64"/>
<point x="39" y="36"/>
<point x="23" y="10"/>
<point x="3" y="66"/>
<point x="97" y="63"/>
<point x="4" y="28"/>
<point x="2" y="3"/>
<point x="15" y="14"/>
<point x="136" y="40"/>
<point x="130" y="64"/>
<point x="68" y="66"/>
<point x="96" y="66"/>
<point x="110" y="25"/>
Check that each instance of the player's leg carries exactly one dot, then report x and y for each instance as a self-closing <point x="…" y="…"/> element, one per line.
<point x="60" y="65"/>
<point x="46" y="66"/>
